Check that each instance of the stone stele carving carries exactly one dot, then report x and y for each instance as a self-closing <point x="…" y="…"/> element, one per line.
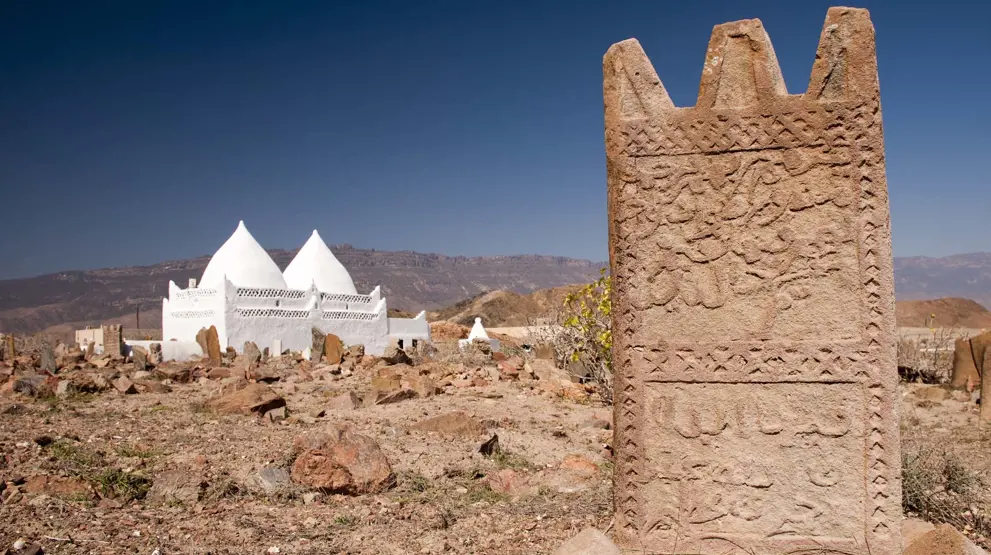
<point x="753" y="302"/>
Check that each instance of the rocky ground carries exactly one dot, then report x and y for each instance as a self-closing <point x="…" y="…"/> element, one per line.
<point x="428" y="452"/>
<point x="282" y="455"/>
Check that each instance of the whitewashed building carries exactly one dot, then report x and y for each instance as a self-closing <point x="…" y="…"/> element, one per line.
<point x="243" y="293"/>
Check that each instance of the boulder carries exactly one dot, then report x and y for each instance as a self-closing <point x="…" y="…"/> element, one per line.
<point x="174" y="372"/>
<point x="944" y="540"/>
<point x="254" y="398"/>
<point x="333" y="349"/>
<point x="89" y="382"/>
<point x="457" y="423"/>
<point x="395" y="355"/>
<point x="33" y="385"/>
<point x="912" y="528"/>
<point x="341" y="461"/>
<point x="65" y="388"/>
<point x="589" y="542"/>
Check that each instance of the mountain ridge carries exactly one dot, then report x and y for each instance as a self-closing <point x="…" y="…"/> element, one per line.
<point x="410" y="280"/>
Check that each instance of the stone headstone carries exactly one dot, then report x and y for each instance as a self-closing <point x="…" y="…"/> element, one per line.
<point x="276" y="350"/>
<point x="986" y="388"/>
<point x="212" y="345"/>
<point x="318" y="340"/>
<point x="753" y="307"/>
<point x="48" y="363"/>
<point x="968" y="355"/>
<point x="90" y="350"/>
<point x="139" y="356"/>
<point x="251" y="356"/>
<point x="333" y="349"/>
<point x="113" y="340"/>
<point x="11" y="351"/>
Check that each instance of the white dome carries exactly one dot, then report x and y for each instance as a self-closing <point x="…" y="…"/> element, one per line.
<point x="478" y="331"/>
<point x="314" y="263"/>
<point x="244" y="262"/>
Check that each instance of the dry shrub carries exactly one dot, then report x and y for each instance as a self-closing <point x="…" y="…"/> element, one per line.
<point x="927" y="359"/>
<point x="938" y="487"/>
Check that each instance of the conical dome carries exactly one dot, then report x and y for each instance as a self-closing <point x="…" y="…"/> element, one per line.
<point x="478" y="331"/>
<point x="314" y="263"/>
<point x="244" y="262"/>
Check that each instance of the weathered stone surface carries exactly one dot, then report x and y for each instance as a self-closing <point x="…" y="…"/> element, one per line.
<point x="457" y="423"/>
<point x="47" y="362"/>
<point x="944" y="540"/>
<point x="271" y="479"/>
<point x="254" y="398"/>
<point x="318" y="339"/>
<point x="176" y="486"/>
<point x="113" y="340"/>
<point x="388" y="397"/>
<point x="210" y="343"/>
<point x="395" y="355"/>
<point x="912" y="528"/>
<point x="125" y="386"/>
<point x="333" y="349"/>
<point x="341" y="461"/>
<point x="345" y="401"/>
<point x="753" y="307"/>
<point x="589" y="542"/>
<point x="139" y="356"/>
<point x="251" y="356"/>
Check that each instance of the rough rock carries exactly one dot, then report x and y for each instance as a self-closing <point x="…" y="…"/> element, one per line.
<point x="125" y="386"/>
<point x="395" y="355"/>
<point x="47" y="362"/>
<point x="277" y="414"/>
<point x="424" y="386"/>
<point x="271" y="479"/>
<point x="65" y="388"/>
<point x="250" y="356"/>
<point x="210" y="343"/>
<point x="333" y="349"/>
<point x="944" y="540"/>
<point x="388" y="397"/>
<point x="176" y="486"/>
<point x="139" y="356"/>
<point x="453" y="423"/>
<point x="57" y="486"/>
<point x="589" y="542"/>
<point x="345" y="401"/>
<point x="254" y="398"/>
<point x="932" y="393"/>
<point x="32" y="386"/>
<point x="89" y="382"/>
<point x="912" y="528"/>
<point x="317" y="343"/>
<point x="354" y="352"/>
<point x="341" y="461"/>
<point x="175" y="373"/>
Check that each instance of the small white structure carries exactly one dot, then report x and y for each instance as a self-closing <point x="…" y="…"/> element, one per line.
<point x="478" y="332"/>
<point x="243" y="293"/>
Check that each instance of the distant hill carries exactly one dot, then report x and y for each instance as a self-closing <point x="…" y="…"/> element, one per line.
<point x="966" y="276"/>
<point x="504" y="308"/>
<point x="946" y="312"/>
<point x="410" y="281"/>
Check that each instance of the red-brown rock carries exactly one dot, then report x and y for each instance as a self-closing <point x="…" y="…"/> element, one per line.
<point x="254" y="398"/>
<point x="341" y="461"/>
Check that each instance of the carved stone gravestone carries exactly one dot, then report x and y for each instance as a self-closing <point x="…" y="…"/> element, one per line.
<point x="753" y="302"/>
<point x="113" y="340"/>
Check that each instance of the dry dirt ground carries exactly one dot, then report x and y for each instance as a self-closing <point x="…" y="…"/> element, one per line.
<point x="63" y="460"/>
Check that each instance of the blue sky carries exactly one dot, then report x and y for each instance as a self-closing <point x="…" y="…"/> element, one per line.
<point x="137" y="132"/>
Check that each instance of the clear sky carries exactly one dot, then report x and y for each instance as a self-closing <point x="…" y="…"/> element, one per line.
<point x="138" y="132"/>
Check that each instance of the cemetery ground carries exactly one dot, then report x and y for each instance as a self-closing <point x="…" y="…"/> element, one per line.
<point x="201" y="457"/>
<point x="157" y="464"/>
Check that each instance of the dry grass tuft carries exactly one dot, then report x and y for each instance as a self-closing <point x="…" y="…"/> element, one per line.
<point x="937" y="486"/>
